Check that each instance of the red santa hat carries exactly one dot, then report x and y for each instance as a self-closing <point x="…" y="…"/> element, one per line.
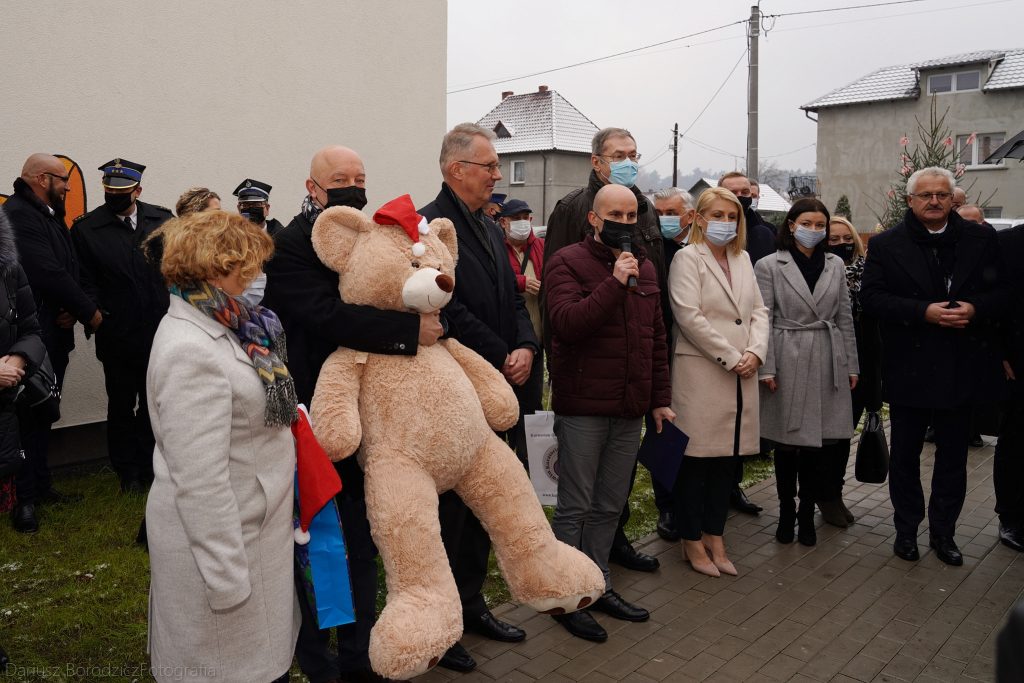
<point x="317" y="480"/>
<point x="402" y="212"/>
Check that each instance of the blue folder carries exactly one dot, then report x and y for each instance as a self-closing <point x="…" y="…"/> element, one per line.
<point x="662" y="454"/>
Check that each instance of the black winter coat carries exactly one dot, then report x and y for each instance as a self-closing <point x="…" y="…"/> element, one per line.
<point x="48" y="258"/>
<point x="118" y="276"/>
<point x="487" y="313"/>
<point x="19" y="334"/>
<point x="924" y="365"/>
<point x="760" y="236"/>
<point x="303" y="292"/>
<point x="1011" y="248"/>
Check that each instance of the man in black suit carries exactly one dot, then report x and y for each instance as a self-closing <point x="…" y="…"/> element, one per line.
<point x="489" y="316"/>
<point x="937" y="288"/>
<point x="36" y="212"/>
<point x="128" y="288"/>
<point x="304" y="294"/>
<point x="1008" y="463"/>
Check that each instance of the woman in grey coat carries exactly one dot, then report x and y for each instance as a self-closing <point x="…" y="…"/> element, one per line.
<point x="812" y="361"/>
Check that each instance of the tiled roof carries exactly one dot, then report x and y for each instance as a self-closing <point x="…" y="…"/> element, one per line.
<point x="901" y="82"/>
<point x="537" y="122"/>
<point x="770" y="200"/>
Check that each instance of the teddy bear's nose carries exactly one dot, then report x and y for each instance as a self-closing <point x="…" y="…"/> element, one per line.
<point x="445" y="282"/>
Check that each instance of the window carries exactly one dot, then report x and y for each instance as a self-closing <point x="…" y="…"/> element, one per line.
<point x="518" y="172"/>
<point x="993" y="211"/>
<point x="960" y="81"/>
<point x="974" y="153"/>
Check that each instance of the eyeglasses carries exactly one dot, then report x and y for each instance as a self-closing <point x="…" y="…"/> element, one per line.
<point x="635" y="156"/>
<point x="928" y="196"/>
<point x="492" y="168"/>
<point x="62" y="178"/>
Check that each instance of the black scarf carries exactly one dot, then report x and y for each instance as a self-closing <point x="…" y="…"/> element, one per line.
<point x="939" y="249"/>
<point x="811" y="268"/>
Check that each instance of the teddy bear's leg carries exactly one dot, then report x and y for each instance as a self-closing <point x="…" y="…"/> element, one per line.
<point x="423" y="615"/>
<point x="541" y="571"/>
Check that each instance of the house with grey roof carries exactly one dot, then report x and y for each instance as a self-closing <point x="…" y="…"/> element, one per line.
<point x="544" y="146"/>
<point x="860" y="126"/>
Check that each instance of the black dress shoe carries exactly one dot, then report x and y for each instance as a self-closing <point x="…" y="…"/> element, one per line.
<point x="23" y="517"/>
<point x="627" y="556"/>
<point x="929" y="435"/>
<point x="457" y="658"/>
<point x="366" y="676"/>
<point x="489" y="626"/>
<point x="1012" y="537"/>
<point x="905" y="548"/>
<point x="582" y="625"/>
<point x="667" y="526"/>
<point x="613" y="604"/>
<point x="946" y="550"/>
<point x="739" y="501"/>
<point x="52" y="496"/>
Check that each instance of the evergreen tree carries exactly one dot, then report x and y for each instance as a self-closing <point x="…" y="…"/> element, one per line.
<point x="843" y="208"/>
<point x="934" y="147"/>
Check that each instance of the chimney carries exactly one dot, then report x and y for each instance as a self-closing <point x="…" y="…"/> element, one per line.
<point x="507" y="93"/>
<point x="542" y="88"/>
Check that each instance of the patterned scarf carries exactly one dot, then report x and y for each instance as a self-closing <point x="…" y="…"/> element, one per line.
<point x="309" y="210"/>
<point x="262" y="338"/>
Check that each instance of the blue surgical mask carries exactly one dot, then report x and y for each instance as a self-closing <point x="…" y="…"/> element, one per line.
<point x="807" y="237"/>
<point x="720" y="233"/>
<point x="670" y="227"/>
<point x="624" y="172"/>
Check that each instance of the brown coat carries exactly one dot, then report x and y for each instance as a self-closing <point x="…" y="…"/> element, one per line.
<point x="715" y="325"/>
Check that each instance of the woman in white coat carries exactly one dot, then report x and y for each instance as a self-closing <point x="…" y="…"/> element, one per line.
<point x="222" y="603"/>
<point x="721" y="339"/>
<point x="811" y="365"/>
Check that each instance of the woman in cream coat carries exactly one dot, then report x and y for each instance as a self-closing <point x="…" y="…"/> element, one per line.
<point x="222" y="603"/>
<point x="721" y="340"/>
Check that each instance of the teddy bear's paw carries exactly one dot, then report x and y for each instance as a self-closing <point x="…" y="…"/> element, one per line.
<point x="556" y="580"/>
<point x="410" y="636"/>
<point x="562" y="605"/>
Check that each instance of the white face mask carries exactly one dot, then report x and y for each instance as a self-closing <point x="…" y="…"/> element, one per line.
<point x="520" y="230"/>
<point x="720" y="233"/>
<point x="753" y="203"/>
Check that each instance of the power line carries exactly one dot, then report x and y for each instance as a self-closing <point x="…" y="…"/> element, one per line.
<point x="782" y="154"/>
<point x="727" y="77"/>
<point x="843" y="9"/>
<point x="596" y="59"/>
<point x="892" y="16"/>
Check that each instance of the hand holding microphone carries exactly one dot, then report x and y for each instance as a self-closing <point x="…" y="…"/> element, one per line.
<point x="627" y="248"/>
<point x="626" y="269"/>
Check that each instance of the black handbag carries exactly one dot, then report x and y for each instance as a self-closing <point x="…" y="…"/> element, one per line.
<point x="41" y="391"/>
<point x="872" y="464"/>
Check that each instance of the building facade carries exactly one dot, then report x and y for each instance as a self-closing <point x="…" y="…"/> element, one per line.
<point x="860" y="126"/>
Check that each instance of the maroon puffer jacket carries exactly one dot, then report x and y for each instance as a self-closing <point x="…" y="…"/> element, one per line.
<point x="608" y="353"/>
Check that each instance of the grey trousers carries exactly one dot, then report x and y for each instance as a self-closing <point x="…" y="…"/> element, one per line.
<point x="595" y="461"/>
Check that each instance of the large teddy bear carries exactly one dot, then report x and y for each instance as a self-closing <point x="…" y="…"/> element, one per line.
<point x="427" y="425"/>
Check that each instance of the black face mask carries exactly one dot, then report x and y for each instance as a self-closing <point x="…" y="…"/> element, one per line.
<point x="346" y="196"/>
<point x="118" y="203"/>
<point x="613" y="233"/>
<point x="254" y="214"/>
<point x="843" y="251"/>
<point x="745" y="202"/>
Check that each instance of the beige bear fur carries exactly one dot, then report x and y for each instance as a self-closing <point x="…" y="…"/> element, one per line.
<point x="426" y="424"/>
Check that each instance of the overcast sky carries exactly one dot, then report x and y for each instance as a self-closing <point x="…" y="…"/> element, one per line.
<point x="801" y="58"/>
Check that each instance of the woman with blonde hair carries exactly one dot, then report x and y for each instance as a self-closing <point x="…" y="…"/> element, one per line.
<point x="196" y="199"/>
<point x="721" y="339"/>
<point x="845" y="242"/>
<point x="219" y="515"/>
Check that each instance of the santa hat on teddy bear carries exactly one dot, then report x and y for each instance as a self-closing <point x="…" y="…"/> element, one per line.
<point x="402" y="212"/>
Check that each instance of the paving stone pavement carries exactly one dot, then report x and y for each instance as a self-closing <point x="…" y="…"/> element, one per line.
<point x="845" y="610"/>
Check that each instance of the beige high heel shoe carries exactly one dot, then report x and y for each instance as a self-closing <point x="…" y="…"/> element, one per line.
<point x="695" y="554"/>
<point x="716" y="549"/>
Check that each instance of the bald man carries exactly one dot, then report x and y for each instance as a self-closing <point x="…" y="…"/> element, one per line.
<point x="36" y="211"/>
<point x="609" y="367"/>
<point x="304" y="294"/>
<point x="973" y="213"/>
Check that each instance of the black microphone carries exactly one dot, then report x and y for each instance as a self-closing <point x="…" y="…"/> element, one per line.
<point x="627" y="247"/>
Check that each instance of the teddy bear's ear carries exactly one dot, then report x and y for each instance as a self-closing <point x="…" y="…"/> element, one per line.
<point x="445" y="231"/>
<point x="335" y="233"/>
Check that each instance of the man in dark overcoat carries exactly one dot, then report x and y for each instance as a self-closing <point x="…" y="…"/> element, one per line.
<point x="937" y="288"/>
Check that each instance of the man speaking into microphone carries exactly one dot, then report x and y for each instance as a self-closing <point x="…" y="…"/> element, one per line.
<point x="609" y="366"/>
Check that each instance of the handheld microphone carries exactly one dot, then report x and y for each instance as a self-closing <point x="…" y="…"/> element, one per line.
<point x="627" y="247"/>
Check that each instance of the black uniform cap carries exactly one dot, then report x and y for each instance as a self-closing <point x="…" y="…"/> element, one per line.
<point x="252" y="191"/>
<point x="121" y="173"/>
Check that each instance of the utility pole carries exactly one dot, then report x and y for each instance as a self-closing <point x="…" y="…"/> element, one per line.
<point x="753" y="30"/>
<point x="675" y="155"/>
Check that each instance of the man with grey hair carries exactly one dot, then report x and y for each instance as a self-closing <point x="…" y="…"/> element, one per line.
<point x="959" y="197"/>
<point x="935" y="284"/>
<point x="487" y="314"/>
<point x="613" y="160"/>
